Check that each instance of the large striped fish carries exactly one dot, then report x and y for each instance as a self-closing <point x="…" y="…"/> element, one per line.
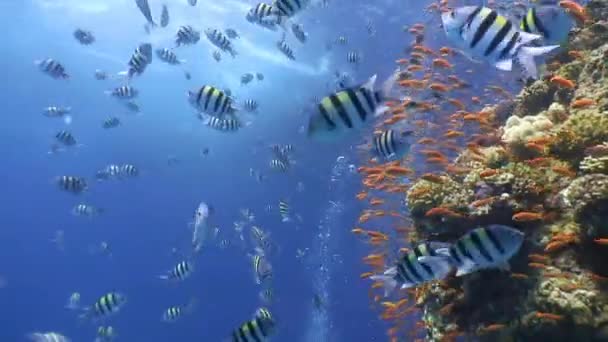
<point x="421" y="265"/>
<point x="484" y="34"/>
<point x="347" y="110"/>
<point x="211" y="100"/>
<point x="486" y="247"/>
<point x="550" y="21"/>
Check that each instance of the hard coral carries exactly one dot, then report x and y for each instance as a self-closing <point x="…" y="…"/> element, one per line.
<point x="581" y="130"/>
<point x="425" y="195"/>
<point x="533" y="99"/>
<point x="585" y="191"/>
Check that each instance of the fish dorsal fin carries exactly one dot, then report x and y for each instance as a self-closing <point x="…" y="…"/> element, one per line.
<point x="370" y="83"/>
<point x="527" y="38"/>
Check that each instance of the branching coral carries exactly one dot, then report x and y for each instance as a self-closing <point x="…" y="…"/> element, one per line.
<point x="594" y="164"/>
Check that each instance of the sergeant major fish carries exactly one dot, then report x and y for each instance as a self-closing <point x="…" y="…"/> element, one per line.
<point x="84" y="37"/>
<point x="483" y="33"/>
<point x="140" y="59"/>
<point x="421" y="265"/>
<point x="212" y="101"/>
<point x="285" y="49"/>
<point x="258" y="329"/>
<point x="486" y="247"/>
<point x="179" y="272"/>
<point x="390" y="144"/>
<point x="168" y="56"/>
<point x="217" y="38"/>
<point x="348" y="110"/>
<point x="299" y="33"/>
<point x="52" y="68"/>
<point x="550" y="21"/>
<point x="106" y="305"/>
<point x="187" y="35"/>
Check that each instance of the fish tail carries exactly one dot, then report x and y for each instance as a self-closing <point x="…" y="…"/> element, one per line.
<point x="388" y="282"/>
<point x="526" y="55"/>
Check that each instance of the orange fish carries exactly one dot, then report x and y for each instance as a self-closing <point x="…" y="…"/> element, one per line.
<point x="442" y="63"/>
<point x="527" y="216"/>
<point x="415" y="68"/>
<point x="432" y="178"/>
<point x="482" y="202"/>
<point x="491" y="328"/>
<point x="582" y="103"/>
<point x="519" y="276"/>
<point x="539" y="258"/>
<point x="376" y="201"/>
<point x="427" y="141"/>
<point x="357" y="231"/>
<point x="575" y="9"/>
<point x="453" y="134"/>
<point x="456" y="103"/>
<point x="564" y="171"/>
<point x="562" y="82"/>
<point x="488" y="173"/>
<point x="544" y="315"/>
<point x="575" y="54"/>
<point x="401" y="61"/>
<point x="442" y="211"/>
<point x="601" y="241"/>
<point x="361" y="196"/>
<point x="366" y="275"/>
<point x="439" y="87"/>
<point x="537" y="265"/>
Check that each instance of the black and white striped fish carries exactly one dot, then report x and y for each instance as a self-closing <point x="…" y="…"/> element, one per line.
<point x="84" y="37"/>
<point x="262" y="269"/>
<point x="250" y="105"/>
<point x="187" y="35"/>
<point x="56" y="111"/>
<point x="141" y="58"/>
<point x="111" y="122"/>
<point x="105" y="306"/>
<point x="353" y="57"/>
<point x="168" y="56"/>
<point x="421" y="265"/>
<point x="262" y="14"/>
<point x="173" y="313"/>
<point x="212" y="101"/>
<point x="299" y="33"/>
<point x="124" y="92"/>
<point x="284" y="211"/>
<point x="179" y="272"/>
<point x="550" y="21"/>
<point x="390" y="144"/>
<point x="288" y="8"/>
<point x="217" y="38"/>
<point x="371" y="29"/>
<point x="246" y="78"/>
<point x="348" y="110"/>
<point x="72" y="184"/>
<point x="222" y="125"/>
<point x="486" y="247"/>
<point x="66" y="138"/>
<point x="484" y="34"/>
<point x="129" y="170"/>
<point x="52" y="68"/>
<point x="279" y="165"/>
<point x="164" y="17"/>
<point x="87" y="210"/>
<point x="285" y="49"/>
<point x="258" y="329"/>
<point x="108" y="172"/>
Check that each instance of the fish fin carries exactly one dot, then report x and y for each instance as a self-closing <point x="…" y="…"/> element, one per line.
<point x="505" y="65"/>
<point x="369" y="84"/>
<point x="469" y="57"/>
<point x="526" y="55"/>
<point x="440" y="247"/>
<point x="527" y="38"/>
<point x="466" y="268"/>
<point x="387" y="280"/>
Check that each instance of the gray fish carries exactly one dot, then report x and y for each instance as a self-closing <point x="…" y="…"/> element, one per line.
<point x="390" y="144"/>
<point x="423" y="264"/>
<point x="111" y="122"/>
<point x="246" y="78"/>
<point x="231" y="33"/>
<point x="84" y="37"/>
<point x="52" y="68"/>
<point x="285" y="49"/>
<point x="192" y="2"/>
<point x="486" y="247"/>
<point x="144" y="7"/>
<point x="299" y="33"/>
<point x="164" y="17"/>
<point x="217" y="38"/>
<point x="187" y="35"/>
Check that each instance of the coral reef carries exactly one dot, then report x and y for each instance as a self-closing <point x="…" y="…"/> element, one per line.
<point x="557" y="288"/>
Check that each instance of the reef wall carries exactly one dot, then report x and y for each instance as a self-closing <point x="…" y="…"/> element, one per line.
<point x="549" y="178"/>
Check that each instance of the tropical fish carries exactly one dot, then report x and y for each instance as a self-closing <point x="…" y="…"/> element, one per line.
<point x="164" y="17"/>
<point x="72" y="184"/>
<point x="299" y="33"/>
<point x="124" y="92"/>
<point x="179" y="272"/>
<point x="550" y="21"/>
<point x="222" y="125"/>
<point x="141" y="58"/>
<point x="111" y="122"/>
<point x="52" y="68"/>
<point x="486" y="247"/>
<point x="348" y="110"/>
<point x="484" y="34"/>
<point x="87" y="210"/>
<point x="421" y="265"/>
<point x="211" y="100"/>
<point x="105" y="306"/>
<point x="84" y="37"/>
<point x="262" y="269"/>
<point x="202" y="231"/>
<point x="217" y="38"/>
<point x="144" y="8"/>
<point x="168" y="56"/>
<point x="105" y="334"/>
<point x="231" y="33"/>
<point x="173" y="313"/>
<point x="285" y="49"/>
<point x="187" y="35"/>
<point x="390" y="144"/>
<point x="259" y="329"/>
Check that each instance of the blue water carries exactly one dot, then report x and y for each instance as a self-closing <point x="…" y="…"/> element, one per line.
<point x="148" y="216"/>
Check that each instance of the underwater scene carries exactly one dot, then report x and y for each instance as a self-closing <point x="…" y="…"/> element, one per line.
<point x="304" y="170"/>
